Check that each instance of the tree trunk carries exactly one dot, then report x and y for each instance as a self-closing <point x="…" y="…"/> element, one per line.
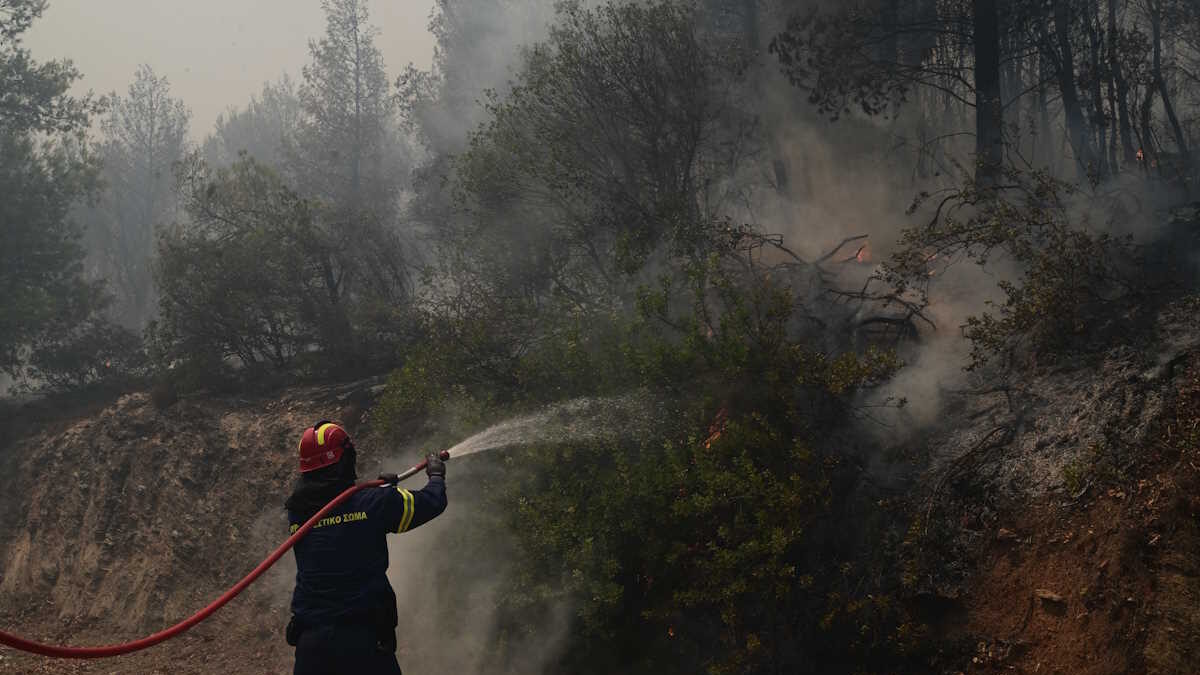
<point x="989" y="108"/>
<point x="1077" y="132"/>
<point x="1160" y="82"/>
<point x="750" y="25"/>
<point x="1149" y="148"/>
<point x="1121" y="86"/>
<point x="356" y="157"/>
<point x="1114" y="161"/>
<point x="1044" y="148"/>
<point x="1100" y="120"/>
<point x="890" y="16"/>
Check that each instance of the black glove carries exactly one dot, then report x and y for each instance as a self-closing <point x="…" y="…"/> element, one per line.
<point x="389" y="478"/>
<point x="434" y="466"/>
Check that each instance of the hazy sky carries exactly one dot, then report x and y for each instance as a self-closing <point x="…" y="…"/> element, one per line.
<point x="216" y="53"/>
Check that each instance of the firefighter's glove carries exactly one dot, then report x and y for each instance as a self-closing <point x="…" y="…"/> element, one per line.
<point x="389" y="478"/>
<point x="434" y="466"/>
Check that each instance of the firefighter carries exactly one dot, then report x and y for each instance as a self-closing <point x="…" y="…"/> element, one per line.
<point x="343" y="608"/>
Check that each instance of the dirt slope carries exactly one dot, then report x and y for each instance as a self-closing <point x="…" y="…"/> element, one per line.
<point x="118" y="522"/>
<point x="1075" y="524"/>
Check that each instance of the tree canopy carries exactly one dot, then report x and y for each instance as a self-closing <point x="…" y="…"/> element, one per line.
<point x="52" y="332"/>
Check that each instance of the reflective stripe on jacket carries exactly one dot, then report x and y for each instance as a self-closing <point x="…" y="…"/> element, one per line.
<point x="341" y="565"/>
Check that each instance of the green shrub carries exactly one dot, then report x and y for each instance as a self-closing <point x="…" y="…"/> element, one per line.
<point x="1076" y="285"/>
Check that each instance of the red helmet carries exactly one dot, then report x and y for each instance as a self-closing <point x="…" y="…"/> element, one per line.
<point x="322" y="445"/>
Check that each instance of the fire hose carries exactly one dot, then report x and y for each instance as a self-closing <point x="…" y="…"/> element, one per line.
<point x="17" y="642"/>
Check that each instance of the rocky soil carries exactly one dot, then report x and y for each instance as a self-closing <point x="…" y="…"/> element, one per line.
<point x="119" y="521"/>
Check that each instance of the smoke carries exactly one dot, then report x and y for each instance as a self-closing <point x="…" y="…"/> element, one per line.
<point x="478" y="45"/>
<point x="450" y="592"/>
<point x="452" y="574"/>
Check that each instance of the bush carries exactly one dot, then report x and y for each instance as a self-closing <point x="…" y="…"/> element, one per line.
<point x="1076" y="285"/>
<point x="602" y="159"/>
<point x="258" y="279"/>
<point x="91" y="352"/>
<point x="682" y="549"/>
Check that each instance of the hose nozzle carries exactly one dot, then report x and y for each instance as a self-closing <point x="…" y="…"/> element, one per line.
<point x="444" y="455"/>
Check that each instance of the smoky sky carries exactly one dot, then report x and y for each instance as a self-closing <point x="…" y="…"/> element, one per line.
<point x="216" y="53"/>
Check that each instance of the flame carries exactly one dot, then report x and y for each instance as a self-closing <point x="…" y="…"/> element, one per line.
<point x="864" y="254"/>
<point x="716" y="428"/>
<point x="670" y="631"/>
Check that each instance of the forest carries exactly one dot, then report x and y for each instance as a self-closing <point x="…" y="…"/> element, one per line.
<point x="790" y="228"/>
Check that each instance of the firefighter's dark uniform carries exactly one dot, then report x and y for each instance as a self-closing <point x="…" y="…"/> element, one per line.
<point x="343" y="608"/>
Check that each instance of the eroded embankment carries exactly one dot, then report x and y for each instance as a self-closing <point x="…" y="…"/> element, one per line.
<point x="117" y="522"/>
<point x="1077" y="535"/>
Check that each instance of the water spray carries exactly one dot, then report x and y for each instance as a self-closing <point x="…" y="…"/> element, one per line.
<point x="26" y="645"/>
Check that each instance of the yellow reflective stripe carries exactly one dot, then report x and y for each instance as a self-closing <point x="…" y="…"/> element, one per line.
<point x="321" y="433"/>
<point x="409" y="509"/>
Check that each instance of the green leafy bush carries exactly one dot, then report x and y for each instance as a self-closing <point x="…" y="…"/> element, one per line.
<point x="258" y="279"/>
<point x="1075" y="283"/>
<point x="85" y="353"/>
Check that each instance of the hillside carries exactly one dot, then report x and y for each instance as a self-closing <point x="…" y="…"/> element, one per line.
<point x="118" y="522"/>
<point x="1069" y="514"/>
<point x="1054" y="530"/>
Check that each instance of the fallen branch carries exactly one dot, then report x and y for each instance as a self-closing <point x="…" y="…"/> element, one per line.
<point x="962" y="461"/>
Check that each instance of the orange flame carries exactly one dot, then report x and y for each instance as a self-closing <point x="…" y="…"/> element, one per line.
<point x="716" y="428"/>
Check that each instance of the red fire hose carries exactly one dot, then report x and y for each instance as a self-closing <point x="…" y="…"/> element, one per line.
<point x="32" y="647"/>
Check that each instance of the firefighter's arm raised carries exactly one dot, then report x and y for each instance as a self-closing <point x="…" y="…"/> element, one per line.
<point x="405" y="509"/>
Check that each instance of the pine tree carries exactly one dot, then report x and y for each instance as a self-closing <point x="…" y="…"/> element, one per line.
<point x="347" y="155"/>
<point x="145" y="136"/>
<point x="347" y="144"/>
